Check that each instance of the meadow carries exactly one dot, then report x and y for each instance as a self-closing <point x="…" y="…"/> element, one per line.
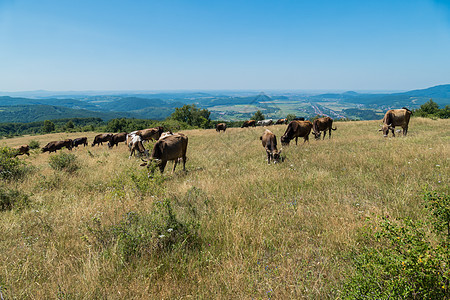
<point x="230" y="227"/>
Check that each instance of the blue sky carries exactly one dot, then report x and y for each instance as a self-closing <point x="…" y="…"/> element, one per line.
<point x="206" y="45"/>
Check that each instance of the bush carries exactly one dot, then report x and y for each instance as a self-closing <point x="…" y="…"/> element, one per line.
<point x="138" y="234"/>
<point x="11" y="167"/>
<point x="64" y="162"/>
<point x="10" y="199"/>
<point x="402" y="259"/>
<point x="33" y="144"/>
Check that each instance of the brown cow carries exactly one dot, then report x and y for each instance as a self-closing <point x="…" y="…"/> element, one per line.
<point x="21" y="150"/>
<point x="100" y="138"/>
<point x="396" y="117"/>
<point x="57" y="145"/>
<point x="323" y="124"/>
<point x="150" y="133"/>
<point x="281" y="121"/>
<point x="295" y="130"/>
<point x="80" y="141"/>
<point x="269" y="142"/>
<point x="172" y="147"/>
<point x="221" y="126"/>
<point x="117" y="138"/>
<point x="249" y="123"/>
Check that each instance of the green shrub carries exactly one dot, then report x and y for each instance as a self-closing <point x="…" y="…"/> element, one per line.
<point x="138" y="234"/>
<point x="10" y="199"/>
<point x="11" y="167"/>
<point x="403" y="259"/>
<point x="64" y="162"/>
<point x="33" y="144"/>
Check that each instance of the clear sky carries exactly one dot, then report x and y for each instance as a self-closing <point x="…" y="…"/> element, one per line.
<point x="230" y="44"/>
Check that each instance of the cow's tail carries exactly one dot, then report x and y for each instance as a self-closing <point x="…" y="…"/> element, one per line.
<point x="405" y="108"/>
<point x="333" y="128"/>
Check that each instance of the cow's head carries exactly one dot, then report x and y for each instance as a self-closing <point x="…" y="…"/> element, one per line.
<point x="285" y="140"/>
<point x="276" y="156"/>
<point x="317" y="135"/>
<point x="110" y="144"/>
<point x="385" y="128"/>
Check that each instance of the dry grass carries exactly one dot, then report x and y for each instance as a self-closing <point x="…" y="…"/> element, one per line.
<point x="276" y="231"/>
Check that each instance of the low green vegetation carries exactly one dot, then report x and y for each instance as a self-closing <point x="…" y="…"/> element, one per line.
<point x="12" y="168"/>
<point x="62" y="161"/>
<point x="404" y="258"/>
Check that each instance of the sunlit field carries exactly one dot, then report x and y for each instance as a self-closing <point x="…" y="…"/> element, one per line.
<point x="244" y="229"/>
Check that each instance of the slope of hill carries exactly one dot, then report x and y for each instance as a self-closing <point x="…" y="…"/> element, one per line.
<point x="70" y="103"/>
<point x="32" y="113"/>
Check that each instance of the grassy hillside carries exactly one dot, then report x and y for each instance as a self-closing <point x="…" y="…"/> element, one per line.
<point x="231" y="227"/>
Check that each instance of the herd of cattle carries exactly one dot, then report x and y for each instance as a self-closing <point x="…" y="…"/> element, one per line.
<point x="173" y="146"/>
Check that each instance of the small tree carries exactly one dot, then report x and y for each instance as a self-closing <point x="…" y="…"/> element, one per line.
<point x="192" y="115"/>
<point x="48" y="126"/>
<point x="430" y="107"/>
<point x="70" y="125"/>
<point x="290" y="117"/>
<point x="258" y="116"/>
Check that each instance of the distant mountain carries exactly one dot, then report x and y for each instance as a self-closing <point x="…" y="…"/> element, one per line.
<point x="132" y="103"/>
<point x="32" y="113"/>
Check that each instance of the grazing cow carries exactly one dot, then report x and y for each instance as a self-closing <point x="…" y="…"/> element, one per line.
<point x="100" y="138"/>
<point x="322" y="124"/>
<point x="282" y="121"/>
<point x="295" y="130"/>
<point x="221" y="126"/>
<point x="269" y="142"/>
<point x="172" y="147"/>
<point x="299" y="119"/>
<point x="396" y="117"/>
<point x="267" y="122"/>
<point x="80" y="141"/>
<point x="117" y="138"/>
<point x="249" y="123"/>
<point x="150" y="133"/>
<point x="135" y="143"/>
<point x="21" y="150"/>
<point x="57" y="145"/>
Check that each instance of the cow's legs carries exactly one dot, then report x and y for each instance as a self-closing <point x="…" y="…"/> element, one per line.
<point x="174" y="165"/>
<point x="162" y="165"/>
<point x="324" y="134"/>
<point x="329" y="133"/>
<point x="405" y="131"/>
<point x="296" y="141"/>
<point x="393" y="129"/>
<point x="268" y="158"/>
<point x="184" y="162"/>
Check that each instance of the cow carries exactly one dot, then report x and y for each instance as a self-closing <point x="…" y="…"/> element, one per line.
<point x="249" y="123"/>
<point x="135" y="143"/>
<point x="322" y="124"/>
<point x="80" y="141"/>
<point x="100" y="138"/>
<point x="295" y="130"/>
<point x="57" y="145"/>
<point x="172" y="147"/>
<point x="281" y="121"/>
<point x="117" y="138"/>
<point x="267" y="122"/>
<point x="150" y="133"/>
<point x="21" y="150"/>
<point x="396" y="117"/>
<point x="221" y="126"/>
<point x="269" y="142"/>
